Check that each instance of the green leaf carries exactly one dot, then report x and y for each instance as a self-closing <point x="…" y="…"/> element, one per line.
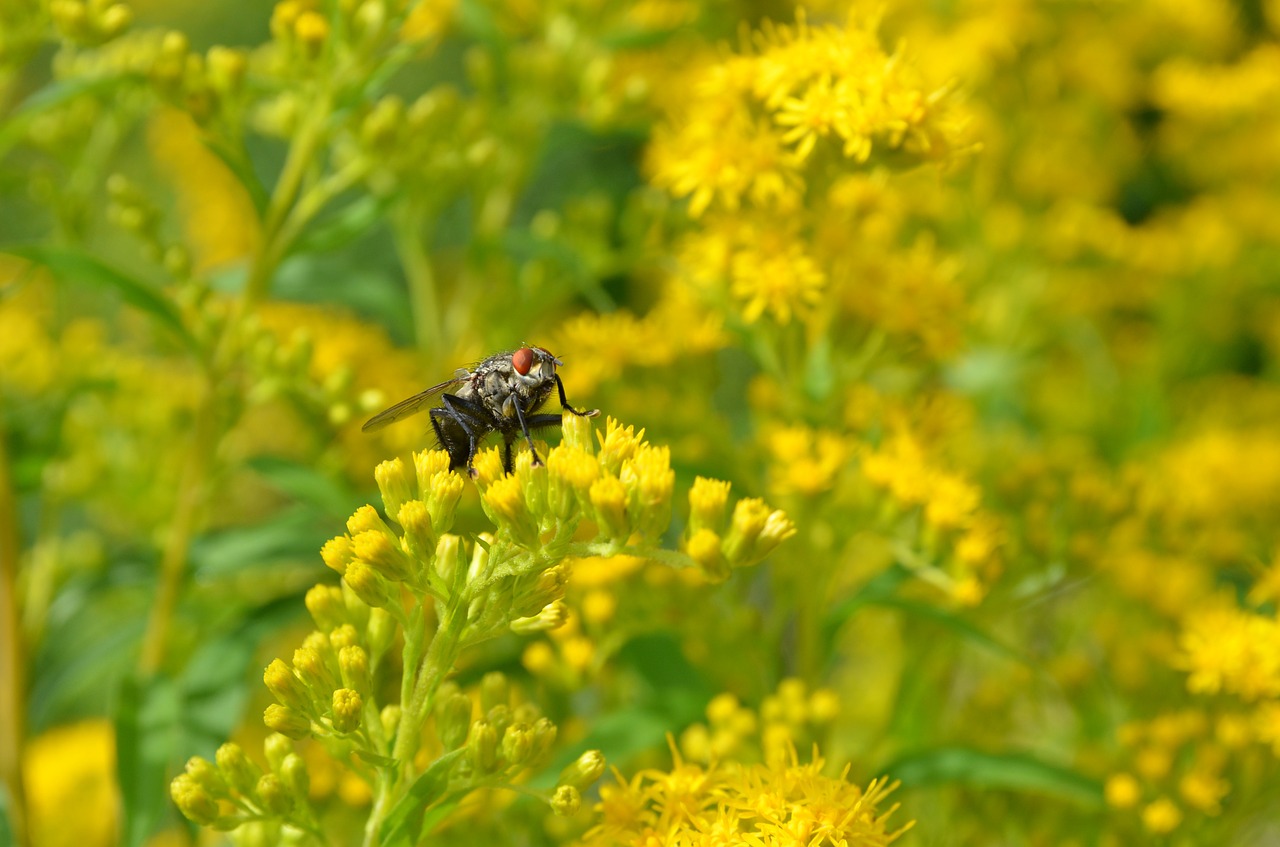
<point x="344" y="226"/>
<point x="147" y="720"/>
<point x="402" y="822"/>
<point x="1018" y="772"/>
<point x="289" y="538"/>
<point x="74" y="266"/>
<point x="307" y="485"/>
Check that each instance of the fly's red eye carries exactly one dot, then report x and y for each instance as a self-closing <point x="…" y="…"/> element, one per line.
<point x="522" y="360"/>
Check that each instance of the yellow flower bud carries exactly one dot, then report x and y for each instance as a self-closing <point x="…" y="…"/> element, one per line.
<point x="343" y="636"/>
<point x="294" y="776"/>
<point x="544" y="740"/>
<point x="618" y="444"/>
<point x="575" y="432"/>
<point x="285" y="687"/>
<point x="227" y="68"/>
<point x="368" y="585"/>
<point x="704" y="548"/>
<point x="1162" y="816"/>
<point x="286" y="721"/>
<point x="275" y="747"/>
<point x="193" y="800"/>
<point x="566" y="801"/>
<point x="380" y="632"/>
<point x="419" y="535"/>
<point x="337" y="553"/>
<point x="114" y="20"/>
<point x="707" y="501"/>
<point x="379" y="551"/>
<point x="488" y="467"/>
<point x="206" y="775"/>
<point x="1122" y="791"/>
<point x="273" y="796"/>
<point x="284" y="16"/>
<point x="649" y="481"/>
<point x="354" y="662"/>
<point x="442" y="499"/>
<point x="366" y="519"/>
<point x="311" y="30"/>
<point x="394" y="483"/>
<point x="517" y="743"/>
<point x="755" y="532"/>
<point x="389" y="717"/>
<point x="504" y="503"/>
<point x="347" y="707"/>
<point x="609" y="501"/>
<point x="448" y="558"/>
<point x="324" y="602"/>
<point x="312" y="669"/>
<point x="239" y="773"/>
<point x="553" y="616"/>
<point x="482" y="747"/>
<point x="583" y="772"/>
<point x="426" y="464"/>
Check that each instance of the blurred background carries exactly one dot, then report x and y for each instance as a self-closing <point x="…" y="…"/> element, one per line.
<point x="984" y="293"/>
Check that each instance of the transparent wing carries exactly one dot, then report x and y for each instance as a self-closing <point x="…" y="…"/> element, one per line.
<point x="411" y="405"/>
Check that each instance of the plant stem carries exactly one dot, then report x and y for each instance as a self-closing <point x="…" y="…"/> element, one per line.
<point x="428" y="328"/>
<point x="12" y="671"/>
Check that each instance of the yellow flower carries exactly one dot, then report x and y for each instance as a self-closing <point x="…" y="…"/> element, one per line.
<point x="70" y="768"/>
<point x="1161" y="817"/>
<point x="1227" y="649"/>
<point x="777" y="277"/>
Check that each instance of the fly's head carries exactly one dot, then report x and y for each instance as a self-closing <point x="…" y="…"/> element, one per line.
<point x="534" y="367"/>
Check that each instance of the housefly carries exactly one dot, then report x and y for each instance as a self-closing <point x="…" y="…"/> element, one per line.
<point x="500" y="394"/>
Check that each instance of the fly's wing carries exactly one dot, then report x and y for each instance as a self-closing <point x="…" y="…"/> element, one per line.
<point x="412" y="405"/>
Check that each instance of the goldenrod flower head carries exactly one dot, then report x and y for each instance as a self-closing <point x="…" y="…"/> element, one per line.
<point x="337" y="553"/>
<point x="776" y="278"/>
<point x="617" y="444"/>
<point x="272" y="794"/>
<point x="311" y="29"/>
<point x="366" y="519"/>
<point x="324" y="602"/>
<point x="755" y="532"/>
<point x="354" y="664"/>
<point x="572" y="471"/>
<point x="704" y="548"/>
<point x="1161" y="816"/>
<point x="1122" y="791"/>
<point x="552" y="616"/>
<point x="952" y="501"/>
<point x="504" y="503"/>
<point x="442" y="499"/>
<point x="286" y="687"/>
<point x="311" y="667"/>
<point x="380" y="551"/>
<point x="804" y="460"/>
<point x="294" y="775"/>
<point x="1228" y="649"/>
<point x="419" y="533"/>
<point x="517" y="743"/>
<point x="239" y="772"/>
<point x="533" y="484"/>
<point x="193" y="800"/>
<point x="488" y="467"/>
<point x="394" y="484"/>
<point x="448" y="558"/>
<point x="482" y="747"/>
<point x="347" y="708"/>
<point x="609" y="502"/>
<point x="342" y="636"/>
<point x="369" y="585"/>
<point x="206" y="775"/>
<point x="649" y="480"/>
<point x="286" y="721"/>
<point x="1203" y="789"/>
<point x="566" y="801"/>
<point x="708" y="499"/>
<point x="584" y="771"/>
<point x="426" y="464"/>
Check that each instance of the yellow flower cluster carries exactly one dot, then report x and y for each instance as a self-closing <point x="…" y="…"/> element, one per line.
<point x="780" y="803"/>
<point x="1229" y="650"/>
<point x="790" y="718"/>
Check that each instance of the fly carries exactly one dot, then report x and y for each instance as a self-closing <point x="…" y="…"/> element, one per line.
<point x="500" y="394"/>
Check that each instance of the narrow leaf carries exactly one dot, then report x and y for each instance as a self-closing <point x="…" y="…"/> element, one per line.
<point x="404" y="819"/>
<point x="1018" y="772"/>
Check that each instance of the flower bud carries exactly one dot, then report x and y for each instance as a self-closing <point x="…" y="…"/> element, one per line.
<point x="583" y="772"/>
<point x="273" y="796"/>
<point x="366" y="519"/>
<point x="389" y="717"/>
<point x="499" y="717"/>
<point x="380" y="632"/>
<point x="380" y="552"/>
<point x="448" y="557"/>
<point x="566" y="801"/>
<point x="343" y="636"/>
<point x="275" y="747"/>
<point x="649" y="481"/>
<point x="286" y="721"/>
<point x="324" y="602"/>
<point x="296" y="779"/>
<point x="504" y="503"/>
<point x="553" y="616"/>
<point x="707" y="501"/>
<point x="314" y="671"/>
<point x="419" y="534"/>
<point x="285" y="687"/>
<point x="704" y="548"/>
<point x="544" y="739"/>
<point x="493" y="690"/>
<point x="394" y="483"/>
<point x="517" y="743"/>
<point x="426" y="464"/>
<point x="311" y="30"/>
<point x="337" y="553"/>
<point x="575" y="431"/>
<point x="755" y="532"/>
<point x="206" y="775"/>
<point x="239" y="773"/>
<point x="609" y="502"/>
<point x="347" y="706"/>
<point x="193" y="800"/>
<point x="227" y="68"/>
<point x="354" y="662"/>
<point x="482" y="747"/>
<point x="368" y="584"/>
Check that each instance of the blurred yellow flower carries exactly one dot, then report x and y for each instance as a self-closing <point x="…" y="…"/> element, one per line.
<point x="72" y="797"/>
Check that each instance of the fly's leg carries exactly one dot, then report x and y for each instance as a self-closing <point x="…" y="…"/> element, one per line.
<point x="524" y="427"/>
<point x="506" y="456"/>
<point x="449" y="432"/>
<point x="468" y="417"/>
<point x="564" y="402"/>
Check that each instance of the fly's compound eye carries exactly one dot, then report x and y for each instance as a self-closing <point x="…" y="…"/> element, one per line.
<point x="522" y="360"/>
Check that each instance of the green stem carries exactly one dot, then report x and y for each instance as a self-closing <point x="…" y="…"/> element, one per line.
<point x="13" y="676"/>
<point x="407" y="221"/>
